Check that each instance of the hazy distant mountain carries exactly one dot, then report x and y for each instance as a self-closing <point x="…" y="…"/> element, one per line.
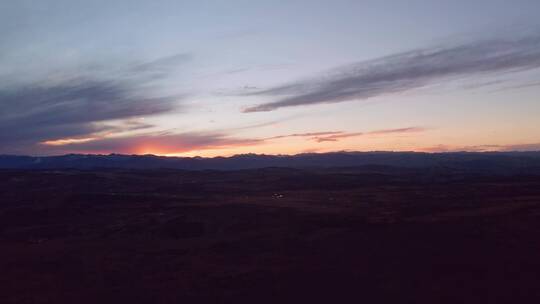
<point x="492" y="162"/>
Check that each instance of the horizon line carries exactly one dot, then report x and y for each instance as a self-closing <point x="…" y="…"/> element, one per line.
<point x="276" y="155"/>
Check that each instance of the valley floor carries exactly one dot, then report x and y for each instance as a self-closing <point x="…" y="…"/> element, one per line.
<point x="371" y="235"/>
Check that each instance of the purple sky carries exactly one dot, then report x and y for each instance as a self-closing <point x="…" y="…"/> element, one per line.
<point x="227" y="77"/>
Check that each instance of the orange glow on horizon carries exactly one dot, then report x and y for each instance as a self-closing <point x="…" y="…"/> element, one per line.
<point x="290" y="145"/>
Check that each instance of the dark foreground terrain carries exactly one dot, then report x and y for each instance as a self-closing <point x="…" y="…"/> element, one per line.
<point x="362" y="235"/>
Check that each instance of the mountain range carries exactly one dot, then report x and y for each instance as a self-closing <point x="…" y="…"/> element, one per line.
<point x="470" y="162"/>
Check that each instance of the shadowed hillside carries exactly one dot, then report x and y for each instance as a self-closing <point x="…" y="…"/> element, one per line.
<point x="485" y="162"/>
<point x="374" y="234"/>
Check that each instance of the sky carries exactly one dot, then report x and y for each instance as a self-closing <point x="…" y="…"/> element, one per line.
<point x="218" y="78"/>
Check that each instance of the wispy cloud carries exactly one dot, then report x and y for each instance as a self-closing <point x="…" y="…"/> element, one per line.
<point x="160" y="67"/>
<point x="309" y="134"/>
<point x="261" y="125"/>
<point x="405" y="71"/>
<point x="330" y="136"/>
<point x="342" y="135"/>
<point x="172" y="143"/>
<point x="71" y="109"/>
<point x="78" y="107"/>
<point x="151" y="143"/>
<point x="523" y="147"/>
<point x="398" y="131"/>
<point x="483" y="148"/>
<point x="337" y="137"/>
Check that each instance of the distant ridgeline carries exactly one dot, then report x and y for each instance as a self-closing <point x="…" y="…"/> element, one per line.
<point x="486" y="162"/>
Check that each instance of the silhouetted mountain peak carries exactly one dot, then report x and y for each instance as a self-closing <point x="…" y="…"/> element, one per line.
<point x="490" y="162"/>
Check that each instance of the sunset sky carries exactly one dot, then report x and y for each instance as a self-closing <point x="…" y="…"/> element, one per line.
<point x="213" y="78"/>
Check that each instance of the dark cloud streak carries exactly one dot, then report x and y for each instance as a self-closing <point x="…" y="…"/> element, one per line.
<point x="409" y="70"/>
<point x="73" y="106"/>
